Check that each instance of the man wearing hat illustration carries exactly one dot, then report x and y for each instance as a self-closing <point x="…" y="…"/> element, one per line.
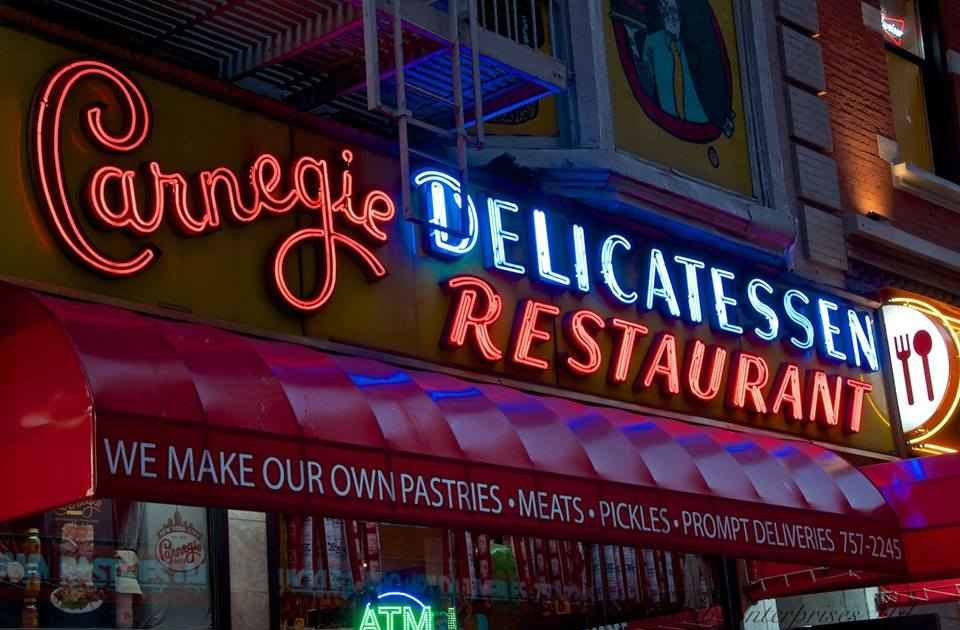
<point x="675" y="60"/>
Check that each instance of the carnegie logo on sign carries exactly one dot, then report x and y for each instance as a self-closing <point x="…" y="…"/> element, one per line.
<point x="180" y="545"/>
<point x="196" y="203"/>
<point x="923" y="350"/>
<point x="683" y="287"/>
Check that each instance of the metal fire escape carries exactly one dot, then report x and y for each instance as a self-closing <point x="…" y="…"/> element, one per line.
<point x="429" y="72"/>
<point x="462" y="55"/>
<point x="404" y="116"/>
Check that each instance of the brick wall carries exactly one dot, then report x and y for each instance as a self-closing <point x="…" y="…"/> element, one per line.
<point x="858" y="94"/>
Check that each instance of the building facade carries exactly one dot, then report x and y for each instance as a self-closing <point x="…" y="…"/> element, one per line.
<point x="494" y="314"/>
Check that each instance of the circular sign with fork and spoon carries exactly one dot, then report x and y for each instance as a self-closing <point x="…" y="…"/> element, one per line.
<point x="923" y="354"/>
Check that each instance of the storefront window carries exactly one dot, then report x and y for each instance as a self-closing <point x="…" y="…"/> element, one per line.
<point x="349" y="574"/>
<point x="107" y="564"/>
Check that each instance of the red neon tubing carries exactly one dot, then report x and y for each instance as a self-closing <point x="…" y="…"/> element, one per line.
<point x="47" y="159"/>
<point x="265" y="175"/>
<point x="463" y="319"/>
<point x="527" y="333"/>
<point x="575" y="328"/>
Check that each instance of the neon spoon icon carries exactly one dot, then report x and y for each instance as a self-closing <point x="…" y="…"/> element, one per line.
<point x="923" y="344"/>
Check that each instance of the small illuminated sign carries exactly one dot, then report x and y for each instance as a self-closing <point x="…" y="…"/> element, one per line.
<point x="894" y="28"/>
<point x="924" y="356"/>
<point x="402" y="611"/>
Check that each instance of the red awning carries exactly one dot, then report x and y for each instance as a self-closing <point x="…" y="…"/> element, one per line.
<point x="109" y="402"/>
<point x="923" y="492"/>
<point x="920" y="491"/>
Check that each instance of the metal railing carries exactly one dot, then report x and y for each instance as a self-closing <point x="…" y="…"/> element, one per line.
<point x="402" y="113"/>
<point x="524" y="22"/>
<point x="527" y="22"/>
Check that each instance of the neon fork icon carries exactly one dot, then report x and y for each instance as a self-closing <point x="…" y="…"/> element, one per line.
<point x="902" y="346"/>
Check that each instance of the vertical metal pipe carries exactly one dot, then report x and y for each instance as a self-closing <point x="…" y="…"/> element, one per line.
<point x="398" y="60"/>
<point x="475" y="67"/>
<point x="371" y="54"/>
<point x="496" y="16"/>
<point x="533" y="24"/>
<point x="402" y="121"/>
<point x="551" y="29"/>
<point x="458" y="91"/>
<point x="516" y="20"/>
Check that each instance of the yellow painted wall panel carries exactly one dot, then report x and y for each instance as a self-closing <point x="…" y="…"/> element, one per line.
<point x="675" y="87"/>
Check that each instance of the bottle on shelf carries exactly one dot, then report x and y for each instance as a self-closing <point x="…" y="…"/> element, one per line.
<point x="32" y="582"/>
<point x="31" y="616"/>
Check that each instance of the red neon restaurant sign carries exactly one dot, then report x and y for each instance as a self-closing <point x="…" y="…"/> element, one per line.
<point x="681" y="287"/>
<point x="575" y="258"/>
<point x="697" y="370"/>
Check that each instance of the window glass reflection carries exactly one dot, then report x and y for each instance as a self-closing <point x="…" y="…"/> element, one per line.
<point x="106" y="564"/>
<point x="334" y="573"/>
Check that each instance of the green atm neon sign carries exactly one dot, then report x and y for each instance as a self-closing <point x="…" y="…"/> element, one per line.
<point x="404" y="612"/>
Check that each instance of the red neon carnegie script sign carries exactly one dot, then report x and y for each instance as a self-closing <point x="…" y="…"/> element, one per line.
<point x="199" y="206"/>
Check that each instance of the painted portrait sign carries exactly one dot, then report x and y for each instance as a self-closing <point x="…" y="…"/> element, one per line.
<point x="674" y="80"/>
